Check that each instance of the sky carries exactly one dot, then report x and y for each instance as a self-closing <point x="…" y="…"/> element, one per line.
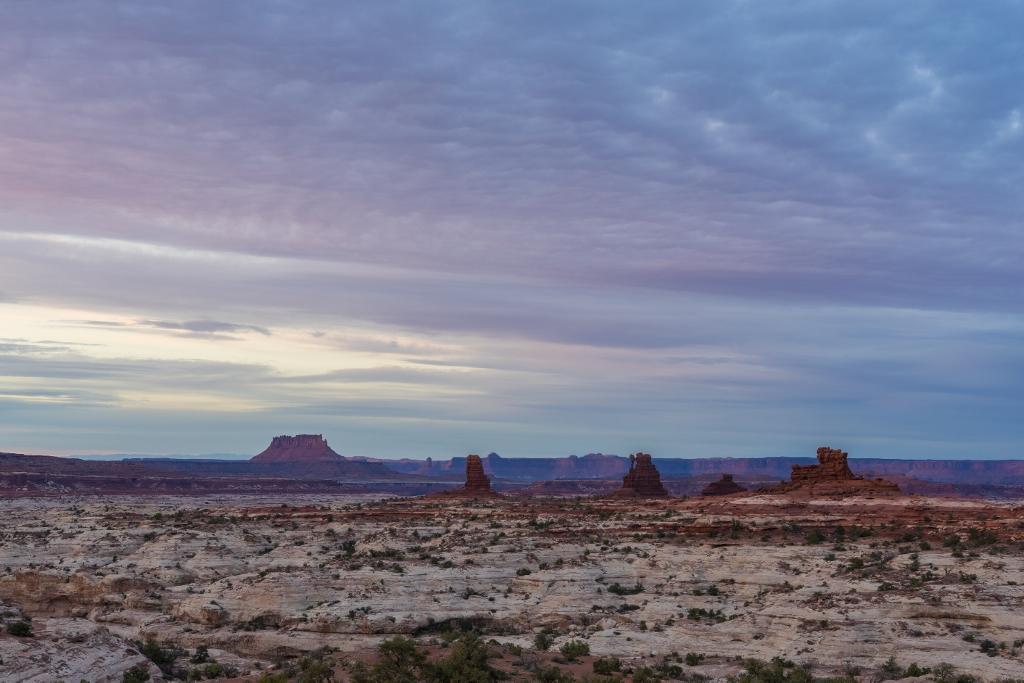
<point x="718" y="228"/>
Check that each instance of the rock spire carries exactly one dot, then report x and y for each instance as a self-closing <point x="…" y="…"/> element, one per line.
<point x="642" y="480"/>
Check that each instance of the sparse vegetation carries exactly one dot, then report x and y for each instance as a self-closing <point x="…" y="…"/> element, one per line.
<point x="20" y="629"/>
<point x="574" y="649"/>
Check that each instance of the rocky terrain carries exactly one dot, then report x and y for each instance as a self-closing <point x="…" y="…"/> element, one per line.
<point x="683" y="587"/>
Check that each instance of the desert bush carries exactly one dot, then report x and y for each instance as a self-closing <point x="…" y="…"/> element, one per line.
<point x="552" y="674"/>
<point x="645" y="674"/>
<point x="21" y="629"/>
<point x="544" y="640"/>
<point x="574" y="649"/>
<point x="815" y="537"/>
<point x="402" y="661"/>
<point x="980" y="537"/>
<point x="136" y="674"/>
<point x="607" y="665"/>
<point x="162" y="657"/>
<point x="626" y="590"/>
<point x="698" y="613"/>
<point x="778" y="670"/>
<point x="313" y="668"/>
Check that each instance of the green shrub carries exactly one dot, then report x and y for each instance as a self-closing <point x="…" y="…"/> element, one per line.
<point x="607" y="665"/>
<point x="574" y="649"/>
<point x="402" y="661"/>
<point x="201" y="656"/>
<point x="815" y="537"/>
<point x="552" y="674"/>
<point x="776" y="671"/>
<point x="626" y="590"/>
<point x="137" y="674"/>
<point x="467" y="661"/>
<point x="544" y="640"/>
<point x="273" y="678"/>
<point x="162" y="657"/>
<point x="645" y="674"/>
<point x="21" y="629"/>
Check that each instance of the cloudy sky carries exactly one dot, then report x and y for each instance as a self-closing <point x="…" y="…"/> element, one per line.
<point x="538" y="228"/>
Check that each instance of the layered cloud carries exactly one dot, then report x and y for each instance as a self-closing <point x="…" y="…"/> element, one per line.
<point x="709" y="228"/>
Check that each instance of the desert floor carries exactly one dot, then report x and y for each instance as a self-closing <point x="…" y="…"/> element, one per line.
<point x="840" y="586"/>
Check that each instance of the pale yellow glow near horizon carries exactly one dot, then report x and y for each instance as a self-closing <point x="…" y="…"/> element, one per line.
<point x="285" y="353"/>
<point x="279" y="350"/>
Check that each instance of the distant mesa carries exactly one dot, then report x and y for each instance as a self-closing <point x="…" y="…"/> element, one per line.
<point x="478" y="484"/>
<point x="642" y="480"/>
<point x="297" y="449"/>
<point x="723" y="487"/>
<point x="832" y="476"/>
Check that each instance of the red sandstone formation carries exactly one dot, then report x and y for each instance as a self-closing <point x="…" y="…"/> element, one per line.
<point x="832" y="465"/>
<point x="476" y="480"/>
<point x="832" y="476"/>
<point x="642" y="480"/>
<point x="297" y="449"/>
<point x="477" y="485"/>
<point x="722" y="487"/>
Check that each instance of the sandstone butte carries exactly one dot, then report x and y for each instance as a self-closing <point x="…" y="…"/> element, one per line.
<point x="477" y="485"/>
<point x="642" y="480"/>
<point x="723" y="487"/>
<point x="297" y="449"/>
<point x="830" y="477"/>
